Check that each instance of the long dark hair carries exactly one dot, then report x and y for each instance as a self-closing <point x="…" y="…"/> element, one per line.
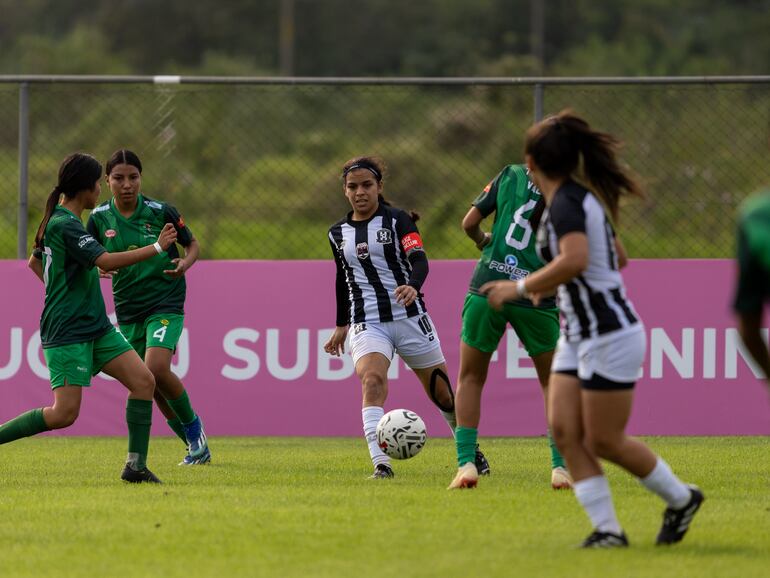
<point x="123" y="157"/>
<point x="377" y="167"/>
<point x="78" y="172"/>
<point x="557" y="145"/>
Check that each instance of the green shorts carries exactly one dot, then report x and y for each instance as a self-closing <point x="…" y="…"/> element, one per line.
<point x="483" y="327"/>
<point x="159" y="330"/>
<point x="75" y="363"/>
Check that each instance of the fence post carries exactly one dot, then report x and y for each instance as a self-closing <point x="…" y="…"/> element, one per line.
<point x="23" y="216"/>
<point x="539" y="94"/>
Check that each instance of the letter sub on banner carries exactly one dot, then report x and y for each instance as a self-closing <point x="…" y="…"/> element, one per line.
<point x="236" y="351"/>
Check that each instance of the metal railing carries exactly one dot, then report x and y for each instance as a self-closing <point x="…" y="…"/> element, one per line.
<point x="254" y="163"/>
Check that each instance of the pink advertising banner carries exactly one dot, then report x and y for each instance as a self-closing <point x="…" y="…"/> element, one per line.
<point x="251" y="355"/>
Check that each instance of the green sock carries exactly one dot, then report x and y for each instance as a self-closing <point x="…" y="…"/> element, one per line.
<point x="556" y="460"/>
<point x="139" y="420"/>
<point x="178" y="428"/>
<point x="182" y="408"/>
<point x="23" y="426"/>
<point x="465" y="439"/>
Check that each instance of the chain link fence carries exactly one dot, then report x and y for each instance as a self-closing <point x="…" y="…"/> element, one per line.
<point x="254" y="165"/>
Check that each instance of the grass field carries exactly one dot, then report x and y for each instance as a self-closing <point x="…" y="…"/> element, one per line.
<point x="304" y="507"/>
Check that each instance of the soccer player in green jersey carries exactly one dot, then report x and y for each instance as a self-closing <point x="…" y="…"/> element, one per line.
<point x="77" y="337"/>
<point x="508" y="252"/>
<point x="149" y="297"/>
<point x="753" y="286"/>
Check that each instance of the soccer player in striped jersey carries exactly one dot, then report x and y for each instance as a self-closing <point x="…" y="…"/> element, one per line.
<point x="77" y="337"/>
<point x="508" y="252"/>
<point x="753" y="286"/>
<point x="600" y="352"/>
<point x="149" y="297"/>
<point x="381" y="266"/>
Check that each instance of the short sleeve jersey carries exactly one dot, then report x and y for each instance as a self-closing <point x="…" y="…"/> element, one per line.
<point x="142" y="289"/>
<point x="74" y="308"/>
<point x="753" y="287"/>
<point x="512" y="254"/>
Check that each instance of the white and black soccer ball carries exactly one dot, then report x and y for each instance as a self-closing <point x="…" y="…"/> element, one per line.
<point x="401" y="434"/>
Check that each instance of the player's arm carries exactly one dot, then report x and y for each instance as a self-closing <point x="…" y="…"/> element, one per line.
<point x="36" y="263"/>
<point x="411" y="243"/>
<point x="336" y="343"/>
<point x="483" y="206"/>
<point x="184" y="238"/>
<point x="93" y="229"/>
<point x="112" y="261"/>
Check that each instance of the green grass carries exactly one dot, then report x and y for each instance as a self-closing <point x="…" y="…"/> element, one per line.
<point x="304" y="507"/>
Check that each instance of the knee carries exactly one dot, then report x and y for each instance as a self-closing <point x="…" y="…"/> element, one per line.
<point x="143" y="385"/>
<point x="470" y="381"/>
<point x="373" y="384"/>
<point x="158" y="370"/>
<point x="604" y="447"/>
<point x="62" y="416"/>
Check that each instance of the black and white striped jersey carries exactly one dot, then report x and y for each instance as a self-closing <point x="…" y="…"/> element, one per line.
<point x="373" y="258"/>
<point x="594" y="302"/>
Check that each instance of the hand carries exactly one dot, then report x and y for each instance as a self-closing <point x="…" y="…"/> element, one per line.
<point x="106" y="274"/>
<point x="167" y="236"/>
<point x="498" y="292"/>
<point x="336" y="344"/>
<point x="181" y="267"/>
<point x="405" y="295"/>
<point x="485" y="240"/>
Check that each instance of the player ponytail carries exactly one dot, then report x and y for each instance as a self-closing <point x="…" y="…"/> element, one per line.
<point x="565" y="146"/>
<point x="78" y="172"/>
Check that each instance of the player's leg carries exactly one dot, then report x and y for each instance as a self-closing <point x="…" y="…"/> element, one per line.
<point x="115" y="357"/>
<point x="70" y="368"/>
<point x="538" y="331"/>
<point x="607" y="407"/>
<point x="372" y="370"/>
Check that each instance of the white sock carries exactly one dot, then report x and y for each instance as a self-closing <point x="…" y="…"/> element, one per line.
<point x="662" y="481"/>
<point x="451" y="419"/>
<point x="594" y="495"/>
<point x="371" y="416"/>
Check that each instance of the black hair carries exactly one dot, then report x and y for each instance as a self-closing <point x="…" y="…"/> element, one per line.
<point x="78" y="172"/>
<point x="123" y="157"/>
<point x="560" y="142"/>
<point x="377" y="167"/>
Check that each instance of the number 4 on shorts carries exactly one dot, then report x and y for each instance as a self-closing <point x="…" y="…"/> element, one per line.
<point x="160" y="333"/>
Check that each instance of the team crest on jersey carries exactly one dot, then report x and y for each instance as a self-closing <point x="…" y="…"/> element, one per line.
<point x="384" y="236"/>
<point x="110" y="233"/>
<point x="148" y="227"/>
<point x="362" y="250"/>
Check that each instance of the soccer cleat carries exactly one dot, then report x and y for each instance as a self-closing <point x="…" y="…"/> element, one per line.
<point x="560" y="479"/>
<point x="197" y="444"/>
<point x="482" y="465"/>
<point x="205" y="458"/>
<point x="599" y="539"/>
<point x="382" y="472"/>
<point x="138" y="476"/>
<point x="467" y="477"/>
<point x="676" y="522"/>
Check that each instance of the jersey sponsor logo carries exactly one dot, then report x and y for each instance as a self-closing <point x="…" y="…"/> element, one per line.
<point x="384" y="236"/>
<point x="110" y="233"/>
<point x="411" y="242"/>
<point x="153" y="204"/>
<point x="509" y="267"/>
<point x="82" y="369"/>
<point x="85" y="240"/>
<point x="362" y="250"/>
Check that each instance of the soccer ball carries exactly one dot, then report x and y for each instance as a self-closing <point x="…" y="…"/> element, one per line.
<point x="401" y="434"/>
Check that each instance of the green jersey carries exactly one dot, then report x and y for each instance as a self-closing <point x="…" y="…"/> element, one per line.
<point x="753" y="254"/>
<point x="142" y="289"/>
<point x="74" y="308"/>
<point x="512" y="254"/>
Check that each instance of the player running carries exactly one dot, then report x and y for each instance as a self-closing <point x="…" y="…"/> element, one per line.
<point x="753" y="286"/>
<point x="149" y="297"/>
<point x="77" y="337"/>
<point x="381" y="267"/>
<point x="508" y="252"/>
<point x="601" y="349"/>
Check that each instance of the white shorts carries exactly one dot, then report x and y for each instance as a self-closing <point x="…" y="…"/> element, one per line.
<point x="414" y="339"/>
<point x="616" y="356"/>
